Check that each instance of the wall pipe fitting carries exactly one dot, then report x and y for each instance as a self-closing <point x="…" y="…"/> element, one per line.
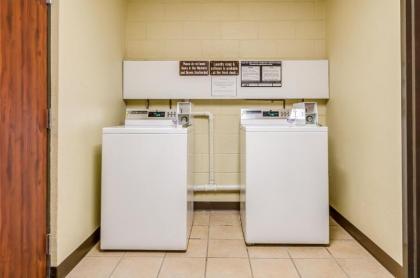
<point x="211" y="142"/>
<point x="211" y="186"/>
<point x="216" y="187"/>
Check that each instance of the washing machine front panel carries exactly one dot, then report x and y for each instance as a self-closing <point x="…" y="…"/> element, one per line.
<point x="144" y="190"/>
<point x="286" y="185"/>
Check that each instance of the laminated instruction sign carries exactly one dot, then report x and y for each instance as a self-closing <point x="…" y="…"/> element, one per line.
<point x="224" y="68"/>
<point x="261" y="74"/>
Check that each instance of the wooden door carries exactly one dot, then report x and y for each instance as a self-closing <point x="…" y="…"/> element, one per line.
<point x="23" y="137"/>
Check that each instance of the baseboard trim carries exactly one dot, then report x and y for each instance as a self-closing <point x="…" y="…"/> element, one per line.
<point x="389" y="263"/>
<point x="74" y="258"/>
<point x="216" y="205"/>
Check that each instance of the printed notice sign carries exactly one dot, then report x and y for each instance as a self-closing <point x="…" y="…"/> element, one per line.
<point x="271" y="74"/>
<point x="261" y="74"/>
<point x="193" y="68"/>
<point x="224" y="67"/>
<point x="251" y="74"/>
<point x="224" y="86"/>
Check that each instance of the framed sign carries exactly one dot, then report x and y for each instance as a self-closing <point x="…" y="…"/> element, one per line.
<point x="224" y="67"/>
<point x="261" y="74"/>
<point x="194" y="68"/>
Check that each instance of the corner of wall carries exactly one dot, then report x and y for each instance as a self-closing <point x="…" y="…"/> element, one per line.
<point x="53" y="156"/>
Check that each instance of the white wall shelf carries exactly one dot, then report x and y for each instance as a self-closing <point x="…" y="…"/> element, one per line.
<point x="160" y="80"/>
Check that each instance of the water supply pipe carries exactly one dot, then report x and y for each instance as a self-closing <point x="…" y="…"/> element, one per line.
<point x="210" y="116"/>
<point x="212" y="186"/>
<point x="216" y="187"/>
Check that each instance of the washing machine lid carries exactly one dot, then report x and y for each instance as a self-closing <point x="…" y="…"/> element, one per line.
<point x="145" y="130"/>
<point x="284" y="128"/>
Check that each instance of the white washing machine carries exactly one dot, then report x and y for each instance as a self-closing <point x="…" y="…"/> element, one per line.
<point x="147" y="197"/>
<point x="284" y="180"/>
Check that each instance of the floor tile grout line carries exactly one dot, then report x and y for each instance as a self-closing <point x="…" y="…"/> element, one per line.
<point x="227" y="257"/>
<point x="249" y="260"/>
<point x="226" y="225"/>
<point x="335" y="260"/>
<point x="227" y="239"/>
<point x="207" y="251"/>
<point x="161" y="264"/>
<point x="293" y="262"/>
<point x="115" y="267"/>
<point x="318" y="259"/>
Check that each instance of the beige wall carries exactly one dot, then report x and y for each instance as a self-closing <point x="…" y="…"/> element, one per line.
<point x="87" y="50"/>
<point x="178" y="29"/>
<point x="237" y="29"/>
<point x="364" y="118"/>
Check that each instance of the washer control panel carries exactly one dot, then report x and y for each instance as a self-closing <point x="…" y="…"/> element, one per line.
<point x="249" y="114"/>
<point x="137" y="114"/>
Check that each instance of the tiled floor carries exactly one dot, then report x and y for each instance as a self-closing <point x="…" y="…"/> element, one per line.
<point x="217" y="250"/>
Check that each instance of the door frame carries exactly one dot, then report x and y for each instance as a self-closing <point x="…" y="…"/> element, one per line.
<point x="48" y="204"/>
<point x="410" y="101"/>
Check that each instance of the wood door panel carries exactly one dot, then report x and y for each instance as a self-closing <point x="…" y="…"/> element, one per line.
<point x="23" y="137"/>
